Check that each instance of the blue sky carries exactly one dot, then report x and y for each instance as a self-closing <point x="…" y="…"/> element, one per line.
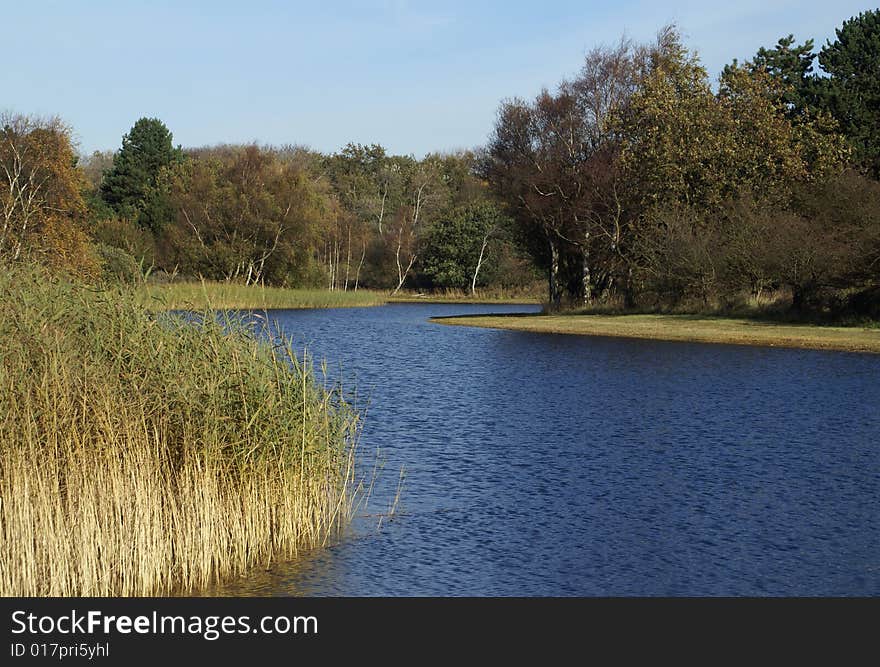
<point x="413" y="76"/>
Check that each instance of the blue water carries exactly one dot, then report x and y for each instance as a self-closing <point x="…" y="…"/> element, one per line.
<point x="549" y="465"/>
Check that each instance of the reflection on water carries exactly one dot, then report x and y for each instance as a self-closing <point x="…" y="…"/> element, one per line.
<point x="559" y="465"/>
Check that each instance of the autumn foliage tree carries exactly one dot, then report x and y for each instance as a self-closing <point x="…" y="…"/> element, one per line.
<point x="556" y="162"/>
<point x="43" y="211"/>
<point x="638" y="178"/>
<point x="243" y="213"/>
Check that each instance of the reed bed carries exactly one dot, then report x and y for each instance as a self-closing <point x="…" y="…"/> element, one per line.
<point x="231" y="296"/>
<point x="151" y="454"/>
<point x="527" y="294"/>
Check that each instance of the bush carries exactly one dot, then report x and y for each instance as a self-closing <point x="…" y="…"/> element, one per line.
<point x="126" y="235"/>
<point x="117" y="266"/>
<point x="864" y="304"/>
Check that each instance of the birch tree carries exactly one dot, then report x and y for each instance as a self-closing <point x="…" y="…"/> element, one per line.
<point x="459" y="245"/>
<point x="42" y="212"/>
<point x="245" y="215"/>
<point x="423" y="198"/>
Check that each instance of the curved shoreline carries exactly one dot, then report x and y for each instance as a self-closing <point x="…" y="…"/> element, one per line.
<point x="684" y="328"/>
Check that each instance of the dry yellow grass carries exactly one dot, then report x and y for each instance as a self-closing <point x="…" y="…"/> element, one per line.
<point x="493" y="295"/>
<point x="144" y="455"/>
<point x="233" y="296"/>
<point x="686" y="328"/>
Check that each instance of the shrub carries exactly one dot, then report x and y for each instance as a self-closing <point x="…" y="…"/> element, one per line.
<point x="117" y="265"/>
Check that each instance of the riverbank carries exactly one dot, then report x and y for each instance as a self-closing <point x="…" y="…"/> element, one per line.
<point x="145" y="454"/>
<point x="231" y="296"/>
<point x="686" y="328"/>
<point x="526" y="295"/>
<point x="476" y="300"/>
<point x="199" y="296"/>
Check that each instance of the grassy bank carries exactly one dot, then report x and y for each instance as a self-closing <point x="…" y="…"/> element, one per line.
<point x="231" y="296"/>
<point x="692" y="328"/>
<point x="144" y="455"/>
<point x="454" y="298"/>
<point x="531" y="294"/>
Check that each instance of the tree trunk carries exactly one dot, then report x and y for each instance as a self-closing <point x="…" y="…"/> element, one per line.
<point x="799" y="297"/>
<point x="479" y="263"/>
<point x="348" y="260"/>
<point x="329" y="249"/>
<point x="336" y="278"/>
<point x="401" y="272"/>
<point x="554" y="276"/>
<point x="607" y="287"/>
<point x="357" y="275"/>
<point x="586" y="278"/>
<point x="381" y="215"/>
<point x="629" y="292"/>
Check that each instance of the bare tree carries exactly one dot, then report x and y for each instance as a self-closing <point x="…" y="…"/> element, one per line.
<point x="95" y="165"/>
<point x="556" y="160"/>
<point x="517" y="169"/>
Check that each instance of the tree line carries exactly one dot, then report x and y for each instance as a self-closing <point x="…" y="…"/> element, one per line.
<point x="281" y="216"/>
<point x="635" y="183"/>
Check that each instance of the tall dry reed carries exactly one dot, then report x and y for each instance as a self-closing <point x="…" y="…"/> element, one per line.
<point x="147" y="454"/>
<point x="224" y="296"/>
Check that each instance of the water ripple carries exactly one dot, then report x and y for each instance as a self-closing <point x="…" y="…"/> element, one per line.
<point x="559" y="465"/>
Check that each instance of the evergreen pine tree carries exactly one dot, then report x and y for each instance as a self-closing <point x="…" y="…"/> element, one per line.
<point x="132" y="187"/>
<point x="852" y="91"/>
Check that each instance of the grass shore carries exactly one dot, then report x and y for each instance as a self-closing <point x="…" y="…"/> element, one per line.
<point x="199" y="296"/>
<point x="452" y="298"/>
<point x="690" y="328"/>
<point x="145" y="454"/>
<point x="488" y="296"/>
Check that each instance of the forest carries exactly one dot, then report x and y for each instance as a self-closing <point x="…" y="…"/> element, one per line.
<point x="636" y="183"/>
